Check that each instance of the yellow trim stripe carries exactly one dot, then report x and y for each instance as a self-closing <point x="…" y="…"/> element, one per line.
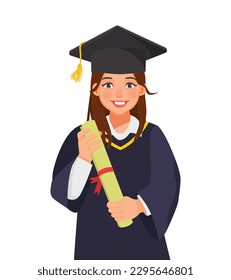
<point x="126" y="144"/>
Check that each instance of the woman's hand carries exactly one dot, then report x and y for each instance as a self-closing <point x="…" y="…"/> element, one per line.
<point x="87" y="144"/>
<point x="125" y="209"/>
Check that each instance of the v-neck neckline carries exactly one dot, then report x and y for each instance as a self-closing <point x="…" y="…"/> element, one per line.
<point x="127" y="144"/>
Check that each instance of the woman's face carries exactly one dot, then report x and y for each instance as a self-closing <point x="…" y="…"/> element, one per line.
<point x="119" y="93"/>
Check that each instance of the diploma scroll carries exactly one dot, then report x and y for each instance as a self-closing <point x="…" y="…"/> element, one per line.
<point x="108" y="179"/>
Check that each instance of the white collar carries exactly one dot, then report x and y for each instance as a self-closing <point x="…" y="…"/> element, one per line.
<point x="132" y="128"/>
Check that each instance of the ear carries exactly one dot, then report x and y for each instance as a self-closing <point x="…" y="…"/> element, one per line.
<point x="142" y="90"/>
<point x="97" y="91"/>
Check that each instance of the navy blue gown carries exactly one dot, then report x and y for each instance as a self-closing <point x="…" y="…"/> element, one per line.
<point x="147" y="168"/>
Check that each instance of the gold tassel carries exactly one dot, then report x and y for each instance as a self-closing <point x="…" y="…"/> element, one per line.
<point x="77" y="75"/>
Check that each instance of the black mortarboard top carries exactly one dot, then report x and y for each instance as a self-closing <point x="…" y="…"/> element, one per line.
<point x="117" y="51"/>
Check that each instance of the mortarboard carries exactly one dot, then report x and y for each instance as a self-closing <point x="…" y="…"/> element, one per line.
<point x="117" y="51"/>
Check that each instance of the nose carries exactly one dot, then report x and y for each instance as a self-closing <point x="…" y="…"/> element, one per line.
<point x="118" y="91"/>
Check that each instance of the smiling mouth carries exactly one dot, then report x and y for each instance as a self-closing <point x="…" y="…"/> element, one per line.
<point x="119" y="103"/>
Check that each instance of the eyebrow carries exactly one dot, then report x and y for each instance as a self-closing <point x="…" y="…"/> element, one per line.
<point x="106" y="78"/>
<point x="131" y="78"/>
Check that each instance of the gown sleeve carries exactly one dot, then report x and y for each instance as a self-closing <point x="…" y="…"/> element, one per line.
<point x="65" y="159"/>
<point x="161" y="193"/>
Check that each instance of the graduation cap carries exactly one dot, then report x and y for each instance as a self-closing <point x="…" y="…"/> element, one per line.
<point x="117" y="51"/>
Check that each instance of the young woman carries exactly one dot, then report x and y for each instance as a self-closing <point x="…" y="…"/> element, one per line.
<point x="139" y="152"/>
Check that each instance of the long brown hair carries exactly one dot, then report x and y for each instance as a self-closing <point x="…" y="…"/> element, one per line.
<point x="98" y="112"/>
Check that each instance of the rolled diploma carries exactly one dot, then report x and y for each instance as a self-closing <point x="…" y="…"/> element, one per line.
<point x="108" y="180"/>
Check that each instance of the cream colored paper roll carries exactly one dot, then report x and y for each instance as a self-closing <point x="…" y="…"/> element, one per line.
<point x="109" y="180"/>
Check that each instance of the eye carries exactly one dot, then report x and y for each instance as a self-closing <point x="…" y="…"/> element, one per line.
<point x="108" y="85"/>
<point x="130" y="85"/>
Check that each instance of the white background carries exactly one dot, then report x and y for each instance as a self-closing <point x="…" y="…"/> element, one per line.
<point x="40" y="105"/>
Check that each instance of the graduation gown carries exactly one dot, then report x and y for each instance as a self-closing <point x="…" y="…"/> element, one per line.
<point x="145" y="167"/>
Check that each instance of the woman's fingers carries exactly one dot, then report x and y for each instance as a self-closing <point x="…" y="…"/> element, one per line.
<point x="92" y="143"/>
<point x="125" y="208"/>
<point x="95" y="148"/>
<point x="81" y="133"/>
<point x="89" y="138"/>
<point x="114" y="204"/>
<point x="115" y="209"/>
<point x="88" y="144"/>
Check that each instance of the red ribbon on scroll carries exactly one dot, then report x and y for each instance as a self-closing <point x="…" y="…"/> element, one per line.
<point x="97" y="179"/>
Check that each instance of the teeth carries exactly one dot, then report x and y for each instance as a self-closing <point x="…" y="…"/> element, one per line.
<point x="119" y="102"/>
